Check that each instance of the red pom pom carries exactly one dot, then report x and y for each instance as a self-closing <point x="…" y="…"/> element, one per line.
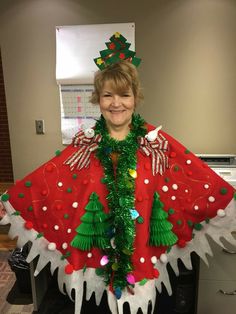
<point x="44" y="192"/>
<point x="69" y="269"/>
<point x="173" y="154"/>
<point x="155" y="273"/>
<point x="59" y="206"/>
<point x="49" y="168"/>
<point x="181" y="243"/>
<point x="45" y="226"/>
<point x="29" y="225"/>
<point x="189" y="173"/>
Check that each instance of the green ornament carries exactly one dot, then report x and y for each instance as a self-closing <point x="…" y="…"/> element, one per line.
<point x="93" y="228"/>
<point x="223" y="191"/>
<point x="160" y="228"/>
<point x="5" y="197"/>
<point x="127" y="252"/>
<point x="115" y="266"/>
<point x="28" y="184"/>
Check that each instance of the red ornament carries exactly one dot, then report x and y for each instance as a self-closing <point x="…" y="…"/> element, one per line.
<point x="28" y="225"/>
<point x="155" y="273"/>
<point x="112" y="46"/>
<point x="69" y="269"/>
<point x="122" y="55"/>
<point x="173" y="154"/>
<point x="181" y="243"/>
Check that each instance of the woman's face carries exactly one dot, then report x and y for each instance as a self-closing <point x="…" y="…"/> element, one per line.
<point x="117" y="109"/>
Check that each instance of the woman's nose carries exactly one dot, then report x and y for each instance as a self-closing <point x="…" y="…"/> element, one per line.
<point x="116" y="100"/>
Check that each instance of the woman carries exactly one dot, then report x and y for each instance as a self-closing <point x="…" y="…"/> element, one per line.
<point x="121" y="201"/>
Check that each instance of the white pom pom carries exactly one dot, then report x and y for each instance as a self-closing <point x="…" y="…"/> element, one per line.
<point x="52" y="246"/>
<point x="89" y="133"/>
<point x="165" y="188"/>
<point x="175" y="187"/>
<point x="154" y="259"/>
<point x="142" y="260"/>
<point x="211" y="199"/>
<point x="56" y="227"/>
<point x="221" y="213"/>
<point x="89" y="255"/>
<point x="75" y="205"/>
<point x="163" y="258"/>
<point x="64" y="246"/>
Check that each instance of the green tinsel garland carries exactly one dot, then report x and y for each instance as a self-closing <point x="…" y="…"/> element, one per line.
<point x="120" y="198"/>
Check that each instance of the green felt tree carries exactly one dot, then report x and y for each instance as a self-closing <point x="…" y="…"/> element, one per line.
<point x="92" y="232"/>
<point x="160" y="228"/>
<point x="117" y="50"/>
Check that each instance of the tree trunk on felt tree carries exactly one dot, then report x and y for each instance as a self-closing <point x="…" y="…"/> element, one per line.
<point x="93" y="230"/>
<point x="160" y="228"/>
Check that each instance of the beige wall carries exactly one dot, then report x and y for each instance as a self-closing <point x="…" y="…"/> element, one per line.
<point x="188" y="71"/>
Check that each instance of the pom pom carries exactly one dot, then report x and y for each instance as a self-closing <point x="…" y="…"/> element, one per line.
<point x="163" y="258"/>
<point x="52" y="246"/>
<point x="69" y="269"/>
<point x="181" y="243"/>
<point x="75" y="205"/>
<point x="221" y="213"/>
<point x="154" y="259"/>
<point x="28" y="225"/>
<point x="155" y="273"/>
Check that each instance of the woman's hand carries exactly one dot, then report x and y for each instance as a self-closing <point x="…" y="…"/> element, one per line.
<point x="2" y="211"/>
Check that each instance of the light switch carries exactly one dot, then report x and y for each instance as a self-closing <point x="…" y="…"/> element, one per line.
<point x="39" y="125"/>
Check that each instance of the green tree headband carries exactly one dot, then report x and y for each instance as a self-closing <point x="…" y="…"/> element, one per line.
<point x="117" y="50"/>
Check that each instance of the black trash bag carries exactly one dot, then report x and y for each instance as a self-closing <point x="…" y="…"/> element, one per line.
<point x="18" y="264"/>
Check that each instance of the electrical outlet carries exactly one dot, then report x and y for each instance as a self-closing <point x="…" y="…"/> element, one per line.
<point x="39" y="125"/>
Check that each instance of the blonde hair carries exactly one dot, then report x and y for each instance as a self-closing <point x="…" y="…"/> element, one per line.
<point x="121" y="76"/>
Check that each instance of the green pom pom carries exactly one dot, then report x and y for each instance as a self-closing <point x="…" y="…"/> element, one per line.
<point x="21" y="195"/>
<point x="69" y="190"/>
<point x="39" y="235"/>
<point x="30" y="208"/>
<point x="167" y="180"/>
<point x="223" y="191"/>
<point x="66" y="216"/>
<point x="74" y="176"/>
<point x="5" y="197"/>
<point x="16" y="213"/>
<point x="187" y="151"/>
<point x="171" y="211"/>
<point x="190" y="223"/>
<point x="198" y="226"/>
<point x="207" y="220"/>
<point x="58" y="152"/>
<point x="140" y="220"/>
<point x="176" y="168"/>
<point x="179" y="222"/>
<point x="28" y="184"/>
<point x="143" y="282"/>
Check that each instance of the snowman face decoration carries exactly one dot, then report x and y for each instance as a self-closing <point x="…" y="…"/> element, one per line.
<point x="89" y="133"/>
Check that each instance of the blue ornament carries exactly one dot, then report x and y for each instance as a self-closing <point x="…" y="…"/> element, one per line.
<point x="118" y="293"/>
<point x="134" y="213"/>
<point x="108" y="150"/>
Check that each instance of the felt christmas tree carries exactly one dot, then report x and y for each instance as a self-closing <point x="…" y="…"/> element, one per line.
<point x="92" y="232"/>
<point x="160" y="228"/>
<point x="117" y="50"/>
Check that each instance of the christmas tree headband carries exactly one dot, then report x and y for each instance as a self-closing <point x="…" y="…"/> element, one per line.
<point x="117" y="50"/>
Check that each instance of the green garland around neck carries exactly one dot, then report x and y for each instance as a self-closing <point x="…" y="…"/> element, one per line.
<point x="121" y="199"/>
